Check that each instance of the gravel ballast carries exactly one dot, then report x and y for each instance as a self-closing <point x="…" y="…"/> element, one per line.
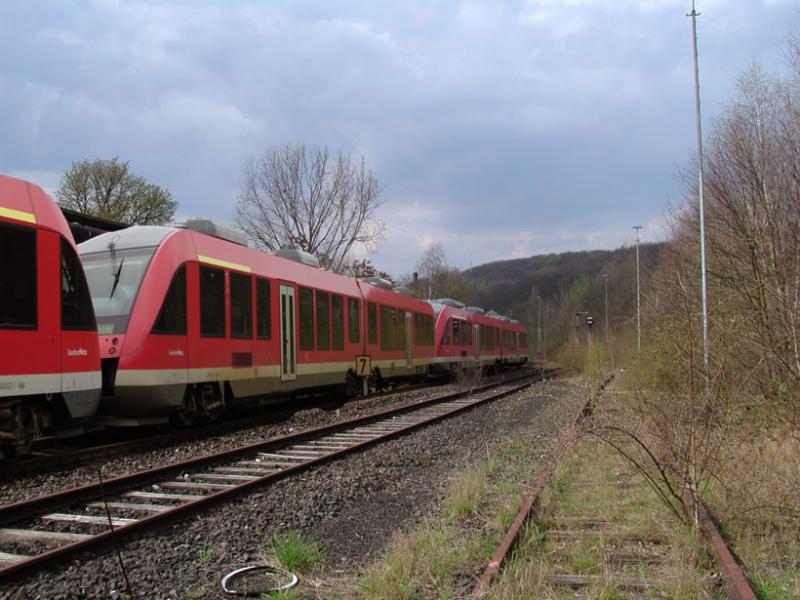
<point x="351" y="506"/>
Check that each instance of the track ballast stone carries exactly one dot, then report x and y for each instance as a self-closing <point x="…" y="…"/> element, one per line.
<point x="351" y="506"/>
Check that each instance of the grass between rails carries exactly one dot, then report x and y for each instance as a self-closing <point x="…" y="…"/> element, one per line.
<point x="441" y="557"/>
<point x="598" y="503"/>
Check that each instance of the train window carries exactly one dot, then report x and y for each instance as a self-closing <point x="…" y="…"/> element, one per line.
<point x="212" y="302"/>
<point x="263" y="324"/>
<point x="172" y="316"/>
<point x="446" y="335"/>
<point x="352" y="320"/>
<point x="456" y="332"/>
<point x="241" y="305"/>
<point x="400" y="338"/>
<point x="337" y="322"/>
<point x="323" y="322"/>
<point x="385" y="329"/>
<point x="305" y="309"/>
<point x="466" y="335"/>
<point x="427" y="321"/>
<point x="372" y="325"/>
<point x="76" y="303"/>
<point x="18" y="277"/>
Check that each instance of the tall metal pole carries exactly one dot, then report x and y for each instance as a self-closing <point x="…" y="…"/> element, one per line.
<point x="539" y="325"/>
<point x="605" y="321"/>
<point x="539" y="335"/>
<point x="636" y="228"/>
<point x="694" y="14"/>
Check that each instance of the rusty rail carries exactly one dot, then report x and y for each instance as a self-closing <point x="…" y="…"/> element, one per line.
<point x="736" y="585"/>
<point x="28" y="509"/>
<point x="513" y="534"/>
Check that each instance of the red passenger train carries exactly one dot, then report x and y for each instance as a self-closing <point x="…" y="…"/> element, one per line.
<point x="469" y="336"/>
<point x="50" y="368"/>
<point x="191" y="320"/>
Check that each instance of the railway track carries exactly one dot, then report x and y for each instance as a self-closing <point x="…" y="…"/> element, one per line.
<point x="579" y="530"/>
<point x="63" y="457"/>
<point x="46" y="530"/>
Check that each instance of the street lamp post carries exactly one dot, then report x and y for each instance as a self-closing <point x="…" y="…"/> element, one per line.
<point x="605" y="321"/>
<point x="636" y="228"/>
<point x="699" y="133"/>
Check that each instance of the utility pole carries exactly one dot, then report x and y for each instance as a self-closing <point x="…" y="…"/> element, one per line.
<point x="539" y="325"/>
<point x="694" y="14"/>
<point x="605" y="321"/>
<point x="539" y="336"/>
<point x="636" y="228"/>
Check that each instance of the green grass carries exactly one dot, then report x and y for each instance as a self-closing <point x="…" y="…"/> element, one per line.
<point x="480" y="504"/>
<point x="294" y="552"/>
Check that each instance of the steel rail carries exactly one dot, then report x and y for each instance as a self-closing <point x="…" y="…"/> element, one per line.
<point x="514" y="532"/>
<point x="10" y="468"/>
<point x="736" y="585"/>
<point x="358" y="434"/>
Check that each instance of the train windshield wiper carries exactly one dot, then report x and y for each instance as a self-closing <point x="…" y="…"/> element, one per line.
<point x="116" y="277"/>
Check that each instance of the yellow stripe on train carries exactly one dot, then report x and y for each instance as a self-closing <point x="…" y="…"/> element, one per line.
<point x="17" y="215"/>
<point x="223" y="263"/>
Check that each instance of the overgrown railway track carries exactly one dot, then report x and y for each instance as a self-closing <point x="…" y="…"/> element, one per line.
<point x="46" y="530"/>
<point x="734" y="582"/>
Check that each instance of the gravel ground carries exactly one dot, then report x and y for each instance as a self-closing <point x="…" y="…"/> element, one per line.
<point x="351" y="506"/>
<point x="25" y="487"/>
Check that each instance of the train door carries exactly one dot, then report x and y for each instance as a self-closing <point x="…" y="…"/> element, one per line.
<point x="409" y="342"/>
<point x="476" y="339"/>
<point x="288" y="324"/>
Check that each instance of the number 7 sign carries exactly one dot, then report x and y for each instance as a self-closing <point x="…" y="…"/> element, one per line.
<point x="363" y="365"/>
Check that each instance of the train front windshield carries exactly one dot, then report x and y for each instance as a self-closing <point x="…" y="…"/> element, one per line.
<point x="114" y="280"/>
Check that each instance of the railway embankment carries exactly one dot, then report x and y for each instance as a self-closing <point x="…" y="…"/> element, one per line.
<point x="350" y="508"/>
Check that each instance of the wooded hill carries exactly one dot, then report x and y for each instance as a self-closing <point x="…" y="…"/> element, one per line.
<point x="507" y="285"/>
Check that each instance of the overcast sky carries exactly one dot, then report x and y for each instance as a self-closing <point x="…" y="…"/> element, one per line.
<point x="501" y="129"/>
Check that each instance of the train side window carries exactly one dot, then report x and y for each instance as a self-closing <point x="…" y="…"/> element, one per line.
<point x="401" y="329"/>
<point x="263" y="323"/>
<point x="323" y="321"/>
<point x="172" y="316"/>
<point x="385" y="328"/>
<point x="18" y="299"/>
<point x="212" y="302"/>
<point x="77" y="312"/>
<point x="446" y="336"/>
<point x="305" y="310"/>
<point x="456" y="332"/>
<point x="466" y="334"/>
<point x="430" y="334"/>
<point x="352" y="320"/>
<point x="372" y="325"/>
<point x="241" y="306"/>
<point x="337" y="322"/>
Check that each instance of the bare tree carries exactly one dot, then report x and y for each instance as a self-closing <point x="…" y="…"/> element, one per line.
<point x="303" y="197"/>
<point x="107" y="189"/>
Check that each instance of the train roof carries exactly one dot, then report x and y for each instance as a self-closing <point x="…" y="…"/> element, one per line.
<point x="188" y="244"/>
<point x="26" y="203"/>
<point x="138" y="236"/>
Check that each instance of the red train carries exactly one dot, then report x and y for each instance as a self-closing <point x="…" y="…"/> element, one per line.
<point x="469" y="336"/>
<point x="50" y="369"/>
<point x="191" y="320"/>
<point x="180" y="322"/>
